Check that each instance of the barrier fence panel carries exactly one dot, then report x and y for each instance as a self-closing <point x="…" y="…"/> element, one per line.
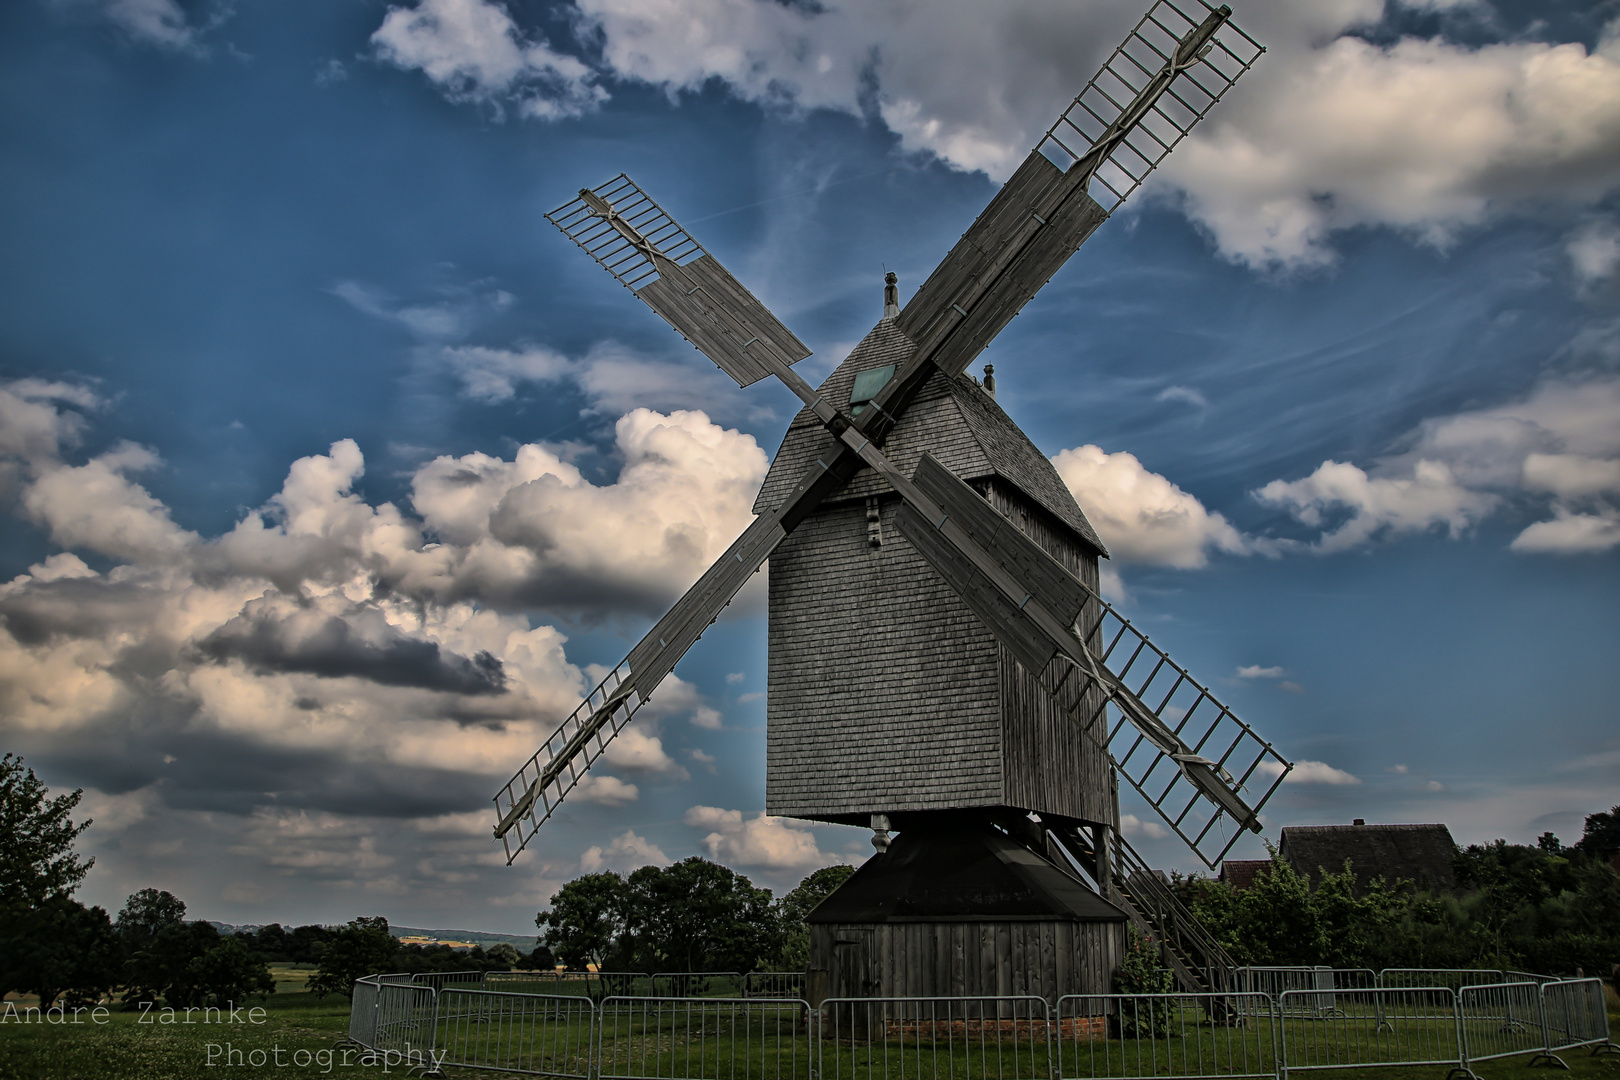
<point x="1114" y="1036"/>
<point x="783" y="984"/>
<point x="1451" y="978"/>
<point x="440" y="979"/>
<point x="1575" y="1014"/>
<point x="363" y="1012"/>
<point x="1502" y="1020"/>
<point x="536" y="982"/>
<point x="685" y="984"/>
<point x="404" y="1031"/>
<point x="642" y="1038"/>
<point x="1001" y="1038"/>
<point x="1319" y="991"/>
<point x="1385" y="1027"/>
<point x="541" y="1035"/>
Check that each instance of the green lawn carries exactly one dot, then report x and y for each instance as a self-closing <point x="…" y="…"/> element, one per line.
<point x="697" y="1041"/>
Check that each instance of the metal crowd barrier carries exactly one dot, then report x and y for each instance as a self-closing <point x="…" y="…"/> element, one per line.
<point x="1574" y="1013"/>
<point x="1452" y="978"/>
<point x="1184" y="1036"/>
<point x="441" y="979"/>
<point x="777" y="984"/>
<point x="640" y="1038"/>
<point x="1500" y="1020"/>
<point x="685" y="984"/>
<point x="1388" y="1027"/>
<point x="1330" y="1019"/>
<point x="542" y="1035"/>
<point x="964" y="1038"/>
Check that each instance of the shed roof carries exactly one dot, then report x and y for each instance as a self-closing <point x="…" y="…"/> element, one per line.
<point x="1240" y="873"/>
<point x="1418" y="853"/>
<point x="954" y="419"/>
<point x="972" y="873"/>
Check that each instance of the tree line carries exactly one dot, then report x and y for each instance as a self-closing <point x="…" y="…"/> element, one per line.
<point x="1545" y="908"/>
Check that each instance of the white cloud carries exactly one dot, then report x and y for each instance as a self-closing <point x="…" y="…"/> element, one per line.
<point x="473" y="52"/>
<point x="1429" y="497"/>
<point x="1311" y="772"/>
<point x="735" y="677"/>
<point x="606" y="790"/>
<point x="1421" y="135"/>
<point x="1561" y="440"/>
<point x="1185" y="394"/>
<point x="627" y="852"/>
<point x="765" y="842"/>
<point x="1255" y="671"/>
<point x="152" y="22"/>
<point x="1434" y="785"/>
<point x="1141" y="516"/>
<point x="492" y="375"/>
<point x="1133" y="826"/>
<point x="1594" y="251"/>
<point x="1398" y="770"/>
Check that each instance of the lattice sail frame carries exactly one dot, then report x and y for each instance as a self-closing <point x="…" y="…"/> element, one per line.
<point x="629" y="265"/>
<point x="525" y="821"/>
<point x="1198" y="718"/>
<point x="1190" y="96"/>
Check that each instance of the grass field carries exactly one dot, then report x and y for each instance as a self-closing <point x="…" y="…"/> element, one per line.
<point x="296" y="1032"/>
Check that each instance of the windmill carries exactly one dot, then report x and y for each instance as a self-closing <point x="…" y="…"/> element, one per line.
<point x="941" y="660"/>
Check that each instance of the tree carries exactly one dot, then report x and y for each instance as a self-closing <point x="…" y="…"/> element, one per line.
<point x="504" y="954"/>
<point x="37" y="861"/>
<point x="585" y="920"/>
<point x="60" y="946"/>
<point x="227" y="973"/>
<point x="796" y="905"/>
<point x="697" y="915"/>
<point x="363" y="947"/>
<point x="1601" y="838"/>
<point x="157" y="944"/>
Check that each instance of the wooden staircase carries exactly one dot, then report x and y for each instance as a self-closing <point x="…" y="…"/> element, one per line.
<point x="1190" y="951"/>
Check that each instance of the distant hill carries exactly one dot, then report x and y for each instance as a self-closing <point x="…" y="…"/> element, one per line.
<point x="523" y="943"/>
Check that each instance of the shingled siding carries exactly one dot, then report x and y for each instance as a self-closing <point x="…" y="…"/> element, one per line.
<point x="968" y="959"/>
<point x="883" y="687"/>
<point x="1048" y="764"/>
<point x="887" y="694"/>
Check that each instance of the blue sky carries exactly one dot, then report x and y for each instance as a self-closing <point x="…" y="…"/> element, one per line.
<point x="304" y="408"/>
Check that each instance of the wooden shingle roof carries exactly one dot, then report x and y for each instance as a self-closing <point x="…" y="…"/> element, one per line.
<point x="1240" y="873"/>
<point x="953" y="419"/>
<point x="1418" y="853"/>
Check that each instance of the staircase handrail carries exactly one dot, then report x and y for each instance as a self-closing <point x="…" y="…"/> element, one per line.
<point x="1129" y="868"/>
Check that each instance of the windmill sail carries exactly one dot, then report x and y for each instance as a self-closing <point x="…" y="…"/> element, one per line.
<point x="1187" y="754"/>
<point x="1164" y="78"/>
<point x="649" y="253"/>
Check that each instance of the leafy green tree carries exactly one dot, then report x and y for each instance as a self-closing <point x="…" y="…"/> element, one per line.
<point x="37" y="861"/>
<point x="586" y="920"/>
<point x="504" y="954"/>
<point x="61" y="947"/>
<point x="697" y="915"/>
<point x="793" y="908"/>
<point x="363" y="947"/>
<point x="157" y="944"/>
<point x="1601" y="838"/>
<point x="229" y="972"/>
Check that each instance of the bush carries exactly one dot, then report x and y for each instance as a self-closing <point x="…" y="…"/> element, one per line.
<point x="1140" y="972"/>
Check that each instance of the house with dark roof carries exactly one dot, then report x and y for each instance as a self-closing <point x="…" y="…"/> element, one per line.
<point x="1239" y="873"/>
<point x="1421" y="854"/>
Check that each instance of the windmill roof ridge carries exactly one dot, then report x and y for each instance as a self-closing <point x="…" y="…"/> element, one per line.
<point x="951" y="418"/>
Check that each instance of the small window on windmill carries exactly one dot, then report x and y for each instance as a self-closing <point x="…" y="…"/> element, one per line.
<point x="867" y="385"/>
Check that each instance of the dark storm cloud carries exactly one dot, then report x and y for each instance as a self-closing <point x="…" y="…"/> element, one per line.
<point x="329" y="647"/>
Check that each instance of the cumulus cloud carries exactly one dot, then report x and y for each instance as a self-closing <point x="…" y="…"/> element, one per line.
<point x="769" y="843"/>
<point x="1594" y="251"/>
<point x="473" y="52"/>
<point x="628" y="851"/>
<point x="1133" y="826"/>
<point x="1311" y="772"/>
<point x="1141" y="516"/>
<point x="1255" y="671"/>
<point x="1557" y="450"/>
<point x="330" y="663"/>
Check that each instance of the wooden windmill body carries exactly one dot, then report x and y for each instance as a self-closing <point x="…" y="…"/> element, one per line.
<point x="942" y="663"/>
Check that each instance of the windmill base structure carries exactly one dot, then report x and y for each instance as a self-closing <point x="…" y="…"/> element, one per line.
<point x="941" y="660"/>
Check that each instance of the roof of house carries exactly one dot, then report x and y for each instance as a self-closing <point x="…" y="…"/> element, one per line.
<point x="1239" y="873"/>
<point x="961" y="874"/>
<point x="1418" y="853"/>
<point x="954" y="419"/>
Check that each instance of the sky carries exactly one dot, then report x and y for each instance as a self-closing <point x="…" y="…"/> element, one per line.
<point x="333" y="475"/>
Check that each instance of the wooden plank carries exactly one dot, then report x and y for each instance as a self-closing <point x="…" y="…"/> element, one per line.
<point x="1039" y="573"/>
<point x="721" y="318"/>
